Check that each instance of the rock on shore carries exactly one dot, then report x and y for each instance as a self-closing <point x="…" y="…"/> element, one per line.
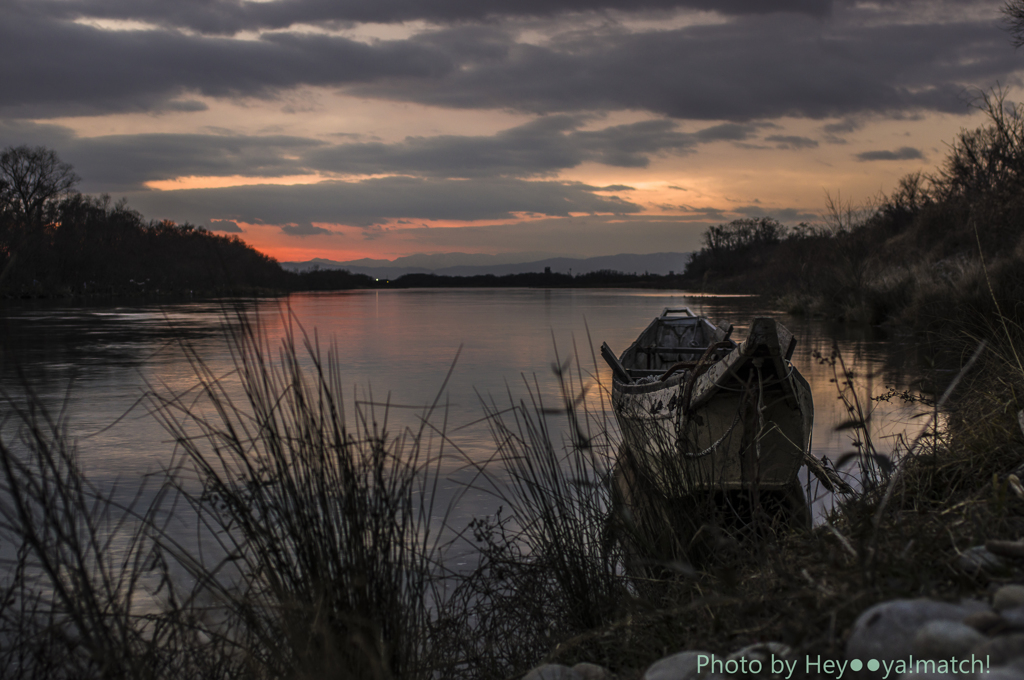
<point x="902" y="639"/>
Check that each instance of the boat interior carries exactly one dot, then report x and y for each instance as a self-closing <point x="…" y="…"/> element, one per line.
<point x="676" y="339"/>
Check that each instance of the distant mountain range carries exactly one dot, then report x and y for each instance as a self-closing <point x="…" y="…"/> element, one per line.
<point x="463" y="264"/>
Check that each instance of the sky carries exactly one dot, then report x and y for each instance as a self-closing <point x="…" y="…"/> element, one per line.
<point x="521" y="129"/>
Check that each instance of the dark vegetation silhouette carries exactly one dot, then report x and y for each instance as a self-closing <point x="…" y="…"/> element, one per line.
<point x="57" y="242"/>
<point x="944" y="245"/>
<point x="596" y="279"/>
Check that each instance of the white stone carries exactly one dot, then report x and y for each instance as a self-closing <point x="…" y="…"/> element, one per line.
<point x="886" y="631"/>
<point x="553" y="671"/>
<point x="591" y="671"/>
<point x="1002" y="650"/>
<point x="1004" y="673"/>
<point x="941" y="639"/>
<point x="762" y="651"/>
<point x="1008" y="597"/>
<point x="1014" y="618"/>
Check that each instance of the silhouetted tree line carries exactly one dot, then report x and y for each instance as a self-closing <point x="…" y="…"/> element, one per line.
<point x="952" y="239"/>
<point x="55" y="241"/>
<point x="597" y="279"/>
<point x="741" y="243"/>
<point x="483" y="281"/>
<point x="329" y="279"/>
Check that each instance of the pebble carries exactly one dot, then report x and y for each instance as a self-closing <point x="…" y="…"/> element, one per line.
<point x="1008" y="597"/>
<point x="989" y="623"/>
<point x="887" y="630"/>
<point x="1001" y="650"/>
<point x="1014" y="618"/>
<point x="681" y="666"/>
<point x="591" y="671"/>
<point x="941" y="639"/>
<point x="979" y="560"/>
<point x="553" y="671"/>
<point x="926" y="629"/>
<point x="1004" y="673"/>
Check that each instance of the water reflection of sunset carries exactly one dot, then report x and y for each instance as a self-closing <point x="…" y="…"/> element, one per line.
<point x="396" y="347"/>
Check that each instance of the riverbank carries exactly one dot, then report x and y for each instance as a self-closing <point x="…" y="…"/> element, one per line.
<point x="943" y="524"/>
<point x="942" y="258"/>
<point x="942" y="255"/>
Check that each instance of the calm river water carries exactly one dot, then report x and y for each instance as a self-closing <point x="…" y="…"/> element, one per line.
<point x="396" y="346"/>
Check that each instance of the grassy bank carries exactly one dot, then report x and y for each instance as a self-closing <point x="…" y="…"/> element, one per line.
<point x="942" y="258"/>
<point x="944" y="248"/>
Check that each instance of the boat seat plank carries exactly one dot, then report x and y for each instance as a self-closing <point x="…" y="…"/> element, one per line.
<point x="674" y="350"/>
<point x="643" y="372"/>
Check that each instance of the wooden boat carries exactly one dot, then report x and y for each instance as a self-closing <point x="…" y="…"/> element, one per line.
<point x="699" y="411"/>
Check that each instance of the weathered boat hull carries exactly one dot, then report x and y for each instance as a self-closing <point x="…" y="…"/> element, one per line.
<point x="662" y="535"/>
<point x="738" y="418"/>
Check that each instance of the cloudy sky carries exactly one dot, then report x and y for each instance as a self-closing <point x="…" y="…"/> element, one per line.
<point x="525" y="128"/>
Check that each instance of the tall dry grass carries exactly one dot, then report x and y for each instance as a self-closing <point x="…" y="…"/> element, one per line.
<point x="317" y="553"/>
<point x="327" y="563"/>
<point x="324" y="560"/>
<point x="324" y="514"/>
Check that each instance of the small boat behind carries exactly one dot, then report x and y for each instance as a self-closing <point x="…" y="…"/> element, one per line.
<point x="700" y="411"/>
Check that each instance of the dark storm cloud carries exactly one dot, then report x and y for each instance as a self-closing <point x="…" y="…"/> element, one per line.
<point x="814" y="64"/>
<point x="741" y="70"/>
<point x="372" y="201"/>
<point x="540" y="147"/>
<point x="543" y="147"/>
<point x="791" y="142"/>
<point x="728" y="132"/>
<point x="844" y="126"/>
<point x="784" y="215"/>
<point x="50" y="68"/>
<point x="123" y="162"/>
<point x="303" y="230"/>
<point x="114" y="163"/>
<point x="18" y="132"/>
<point x="224" y="225"/>
<point x="906" y="153"/>
<point x="185" y="105"/>
<point x="230" y="16"/>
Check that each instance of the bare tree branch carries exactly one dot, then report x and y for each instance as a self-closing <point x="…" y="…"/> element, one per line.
<point x="29" y="177"/>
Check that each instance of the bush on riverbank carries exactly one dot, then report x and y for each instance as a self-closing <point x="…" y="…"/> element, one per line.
<point x="915" y="531"/>
<point x="84" y="246"/>
<point x="942" y="248"/>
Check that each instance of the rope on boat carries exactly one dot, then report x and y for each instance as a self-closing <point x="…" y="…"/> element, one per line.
<point x="736" y="419"/>
<point x="711" y="449"/>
